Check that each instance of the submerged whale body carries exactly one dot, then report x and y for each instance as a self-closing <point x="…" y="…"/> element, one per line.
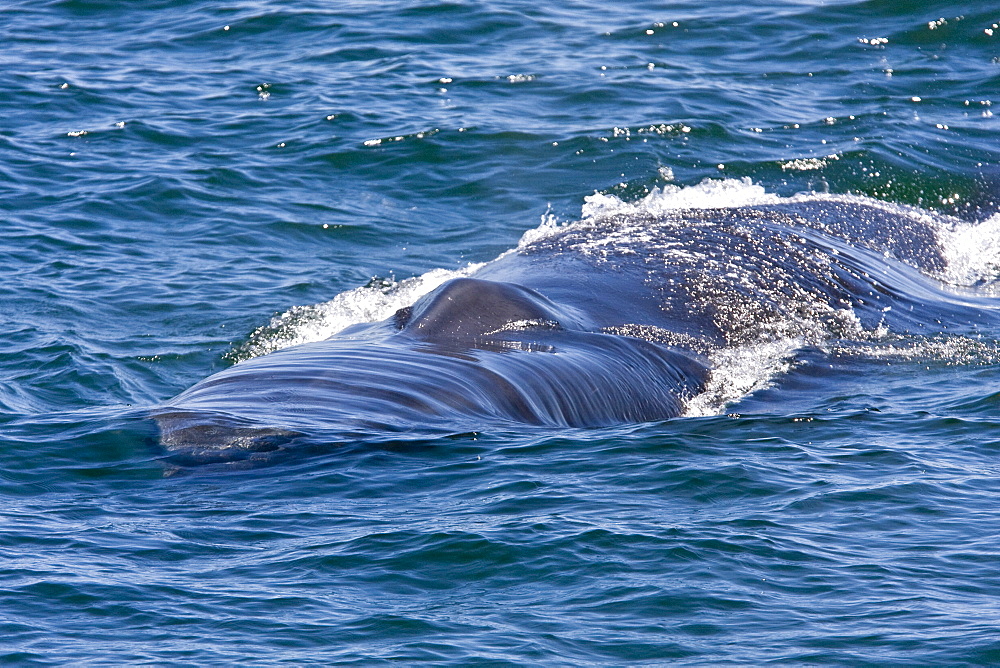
<point x="613" y="320"/>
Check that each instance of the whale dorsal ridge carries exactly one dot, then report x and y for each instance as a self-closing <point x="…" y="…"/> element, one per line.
<point x="466" y="308"/>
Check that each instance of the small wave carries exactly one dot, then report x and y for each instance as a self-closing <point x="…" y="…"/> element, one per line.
<point x="710" y="193"/>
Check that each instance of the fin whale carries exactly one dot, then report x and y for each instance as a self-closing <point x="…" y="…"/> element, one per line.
<point x="607" y="321"/>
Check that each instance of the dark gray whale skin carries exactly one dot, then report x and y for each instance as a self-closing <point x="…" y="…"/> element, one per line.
<point x="603" y="322"/>
<point x="472" y="352"/>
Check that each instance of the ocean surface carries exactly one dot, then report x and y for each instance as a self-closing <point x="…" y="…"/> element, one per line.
<point x="184" y="185"/>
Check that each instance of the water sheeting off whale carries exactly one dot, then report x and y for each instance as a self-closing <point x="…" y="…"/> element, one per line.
<point x="626" y="316"/>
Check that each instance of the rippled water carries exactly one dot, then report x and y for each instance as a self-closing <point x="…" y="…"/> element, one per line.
<point x="187" y="184"/>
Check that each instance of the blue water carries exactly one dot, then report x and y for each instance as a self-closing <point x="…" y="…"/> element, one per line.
<point x="183" y="185"/>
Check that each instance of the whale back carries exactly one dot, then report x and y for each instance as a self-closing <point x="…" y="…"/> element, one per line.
<point x="622" y="318"/>
<point x="471" y="308"/>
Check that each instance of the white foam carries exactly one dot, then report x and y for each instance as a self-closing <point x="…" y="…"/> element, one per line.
<point x="549" y="225"/>
<point x="941" y="349"/>
<point x="709" y="194"/>
<point x="740" y="371"/>
<point x="972" y="251"/>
